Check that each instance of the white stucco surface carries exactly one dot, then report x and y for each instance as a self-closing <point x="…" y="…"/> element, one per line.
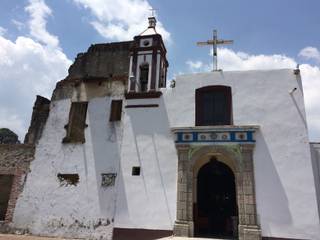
<point x="142" y="138"/>
<point x="315" y="154"/>
<point x="147" y="201"/>
<point x="285" y="188"/>
<point x="85" y="210"/>
<point x="284" y="180"/>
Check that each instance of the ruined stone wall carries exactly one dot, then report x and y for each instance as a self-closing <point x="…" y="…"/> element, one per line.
<point x="102" y="63"/>
<point x="39" y="117"/>
<point x="98" y="76"/>
<point x="15" y="160"/>
<point x="99" y="72"/>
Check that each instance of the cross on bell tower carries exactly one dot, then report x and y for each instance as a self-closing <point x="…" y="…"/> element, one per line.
<point x="215" y="42"/>
<point x="153" y="11"/>
<point x="148" y="63"/>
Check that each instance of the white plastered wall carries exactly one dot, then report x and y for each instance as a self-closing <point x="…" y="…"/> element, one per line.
<point x="285" y="189"/>
<point x="315" y="154"/>
<point x="87" y="209"/>
<point x="286" y="198"/>
<point x="147" y="201"/>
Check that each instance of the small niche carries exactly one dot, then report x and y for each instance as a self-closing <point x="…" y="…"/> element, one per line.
<point x="135" y="171"/>
<point x="116" y="110"/>
<point x="68" y="179"/>
<point x="6" y="182"/>
<point x="108" y="179"/>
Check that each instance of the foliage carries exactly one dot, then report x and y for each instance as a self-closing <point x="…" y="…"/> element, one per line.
<point x="8" y="137"/>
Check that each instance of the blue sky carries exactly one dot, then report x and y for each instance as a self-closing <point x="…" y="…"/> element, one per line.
<point x="40" y="38"/>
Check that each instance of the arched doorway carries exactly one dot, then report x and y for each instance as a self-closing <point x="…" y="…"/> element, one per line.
<point x="215" y="211"/>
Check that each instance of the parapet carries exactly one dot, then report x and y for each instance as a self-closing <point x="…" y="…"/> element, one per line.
<point x="101" y="63"/>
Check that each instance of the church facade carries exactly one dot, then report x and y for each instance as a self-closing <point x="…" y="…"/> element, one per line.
<point x="120" y="155"/>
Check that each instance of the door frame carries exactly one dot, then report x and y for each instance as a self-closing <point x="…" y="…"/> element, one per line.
<point x="240" y="159"/>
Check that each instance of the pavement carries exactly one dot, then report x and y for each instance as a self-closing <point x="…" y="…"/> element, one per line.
<point x="28" y="237"/>
<point x="187" y="238"/>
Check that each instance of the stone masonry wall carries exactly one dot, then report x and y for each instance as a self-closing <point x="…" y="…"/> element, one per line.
<point x="39" y="117"/>
<point x="102" y="62"/>
<point x="15" y="160"/>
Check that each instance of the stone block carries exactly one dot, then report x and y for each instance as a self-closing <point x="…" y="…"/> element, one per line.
<point x="250" y="208"/>
<point x="182" y="196"/>
<point x="182" y="187"/>
<point x="247" y="190"/>
<point x="248" y="199"/>
<point x="179" y="214"/>
<point x="252" y="219"/>
<point x="249" y="232"/>
<point x="183" y="156"/>
<point x="181" y="229"/>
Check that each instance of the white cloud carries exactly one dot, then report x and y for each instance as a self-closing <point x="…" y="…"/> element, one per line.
<point x="195" y="66"/>
<point x="19" y="25"/>
<point x="310" y="53"/>
<point x="2" y="31"/>
<point x="122" y="19"/>
<point x="39" y="11"/>
<point x="311" y="87"/>
<point x="230" y="60"/>
<point x="28" y="68"/>
<point x="8" y="119"/>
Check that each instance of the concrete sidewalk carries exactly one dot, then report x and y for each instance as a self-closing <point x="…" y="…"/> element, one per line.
<point x="186" y="238"/>
<point x="28" y="237"/>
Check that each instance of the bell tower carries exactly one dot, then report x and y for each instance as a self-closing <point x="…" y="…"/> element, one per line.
<point x="148" y="64"/>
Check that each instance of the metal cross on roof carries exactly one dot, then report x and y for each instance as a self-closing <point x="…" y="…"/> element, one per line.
<point x="153" y="12"/>
<point x="215" y="42"/>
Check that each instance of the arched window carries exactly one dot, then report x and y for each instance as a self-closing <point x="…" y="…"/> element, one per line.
<point x="213" y="106"/>
<point x="144" y="76"/>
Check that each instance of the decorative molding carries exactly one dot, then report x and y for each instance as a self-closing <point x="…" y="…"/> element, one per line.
<point x="157" y="43"/>
<point x="108" y="179"/>
<point x="205" y="135"/>
<point x="142" y="106"/>
<point x="132" y="82"/>
<point x="154" y="71"/>
<point x="248" y="227"/>
<point x="141" y="95"/>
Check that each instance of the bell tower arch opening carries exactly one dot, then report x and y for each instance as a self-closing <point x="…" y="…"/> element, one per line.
<point x="215" y="209"/>
<point x="144" y="77"/>
<point x="148" y="64"/>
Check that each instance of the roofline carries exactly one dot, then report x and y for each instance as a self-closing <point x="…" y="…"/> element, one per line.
<point x="234" y="71"/>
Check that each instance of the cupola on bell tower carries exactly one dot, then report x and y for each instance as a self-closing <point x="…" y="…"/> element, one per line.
<point x="148" y="63"/>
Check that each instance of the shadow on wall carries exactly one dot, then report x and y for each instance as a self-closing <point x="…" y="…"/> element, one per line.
<point x="302" y="116"/>
<point x="272" y="201"/>
<point x="106" y="153"/>
<point x="146" y="125"/>
<point x="315" y="160"/>
<point x="154" y="123"/>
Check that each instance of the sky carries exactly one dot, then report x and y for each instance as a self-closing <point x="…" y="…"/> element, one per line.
<point x="39" y="39"/>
